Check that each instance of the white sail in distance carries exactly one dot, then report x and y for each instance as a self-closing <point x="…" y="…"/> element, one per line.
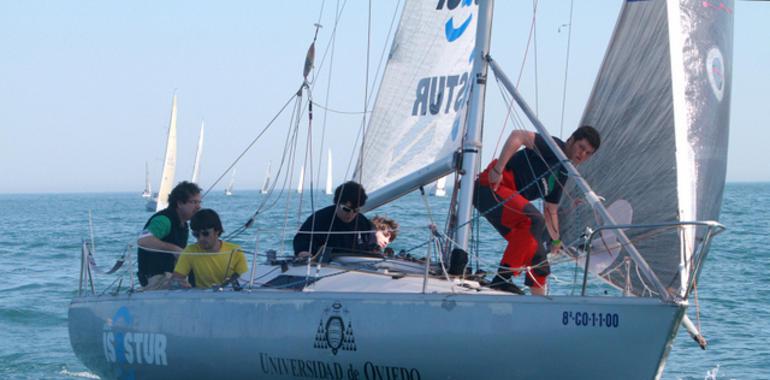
<point x="266" y="184"/>
<point x="663" y="117"/>
<point x="417" y="117"/>
<point x="440" y="189"/>
<point x="328" y="190"/>
<point x="301" y="183"/>
<point x="229" y="188"/>
<point x="198" y="151"/>
<point x="147" y="193"/>
<point x="169" y="162"/>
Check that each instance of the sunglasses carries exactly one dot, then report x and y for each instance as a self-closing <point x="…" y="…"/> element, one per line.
<point x="204" y="233"/>
<point x="348" y="209"/>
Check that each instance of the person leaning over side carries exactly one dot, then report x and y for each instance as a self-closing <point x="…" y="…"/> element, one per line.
<point x="165" y="234"/>
<point x="387" y="230"/>
<point x="214" y="262"/>
<point x="352" y="231"/>
<point x="516" y="178"/>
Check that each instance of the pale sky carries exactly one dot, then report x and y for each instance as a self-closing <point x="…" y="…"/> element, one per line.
<point x="86" y="86"/>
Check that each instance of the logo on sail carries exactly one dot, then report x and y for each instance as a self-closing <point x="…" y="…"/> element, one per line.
<point x="715" y="68"/>
<point x="334" y="332"/>
<point x="451" y="31"/>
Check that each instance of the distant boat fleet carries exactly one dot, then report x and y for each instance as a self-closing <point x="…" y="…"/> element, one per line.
<point x="158" y="200"/>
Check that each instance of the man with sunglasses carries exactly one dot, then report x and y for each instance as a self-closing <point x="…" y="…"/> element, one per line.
<point x="165" y="233"/>
<point x="339" y="226"/>
<point x="215" y="262"/>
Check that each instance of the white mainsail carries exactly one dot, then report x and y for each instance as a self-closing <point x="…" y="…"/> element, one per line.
<point x="664" y="115"/>
<point x="147" y="193"/>
<point x="328" y="190"/>
<point x="266" y="184"/>
<point x="169" y="162"/>
<point x="417" y="117"/>
<point x="198" y="151"/>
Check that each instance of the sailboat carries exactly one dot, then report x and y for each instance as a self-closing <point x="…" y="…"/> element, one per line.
<point x="301" y="182"/>
<point x="147" y="193"/>
<point x="160" y="200"/>
<point x="439" y="190"/>
<point x="198" y="151"/>
<point x="385" y="318"/>
<point x="328" y="189"/>
<point x="266" y="184"/>
<point x="229" y="188"/>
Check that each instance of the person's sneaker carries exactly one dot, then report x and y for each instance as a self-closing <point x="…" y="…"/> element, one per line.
<point x="499" y="283"/>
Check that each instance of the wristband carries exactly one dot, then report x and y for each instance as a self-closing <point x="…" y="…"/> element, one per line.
<point x="555" y="242"/>
<point x="497" y="171"/>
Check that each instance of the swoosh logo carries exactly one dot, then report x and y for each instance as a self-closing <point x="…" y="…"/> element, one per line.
<point x="453" y="33"/>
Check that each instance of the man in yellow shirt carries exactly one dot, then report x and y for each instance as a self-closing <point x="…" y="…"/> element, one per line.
<point x="213" y="261"/>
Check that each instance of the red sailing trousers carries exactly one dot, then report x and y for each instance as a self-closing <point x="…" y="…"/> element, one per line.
<point x="519" y="222"/>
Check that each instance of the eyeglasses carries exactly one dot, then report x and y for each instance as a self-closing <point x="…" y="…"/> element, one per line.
<point x="348" y="209"/>
<point x="204" y="233"/>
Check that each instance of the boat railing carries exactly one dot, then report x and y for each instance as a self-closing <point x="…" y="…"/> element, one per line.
<point x="699" y="252"/>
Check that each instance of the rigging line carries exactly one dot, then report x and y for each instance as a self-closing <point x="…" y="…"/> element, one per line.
<point x="326" y="99"/>
<point x="333" y="110"/>
<point x="384" y="49"/>
<point x="286" y="150"/>
<point x="269" y="124"/>
<point x="320" y="14"/>
<point x="521" y="73"/>
<point x="534" y="48"/>
<point x="360" y="162"/>
<point x="566" y="70"/>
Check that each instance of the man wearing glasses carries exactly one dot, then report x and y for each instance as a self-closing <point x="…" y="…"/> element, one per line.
<point x="165" y="233"/>
<point x="215" y="262"/>
<point x="339" y="226"/>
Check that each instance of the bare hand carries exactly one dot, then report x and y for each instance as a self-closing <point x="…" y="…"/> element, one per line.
<point x="303" y="254"/>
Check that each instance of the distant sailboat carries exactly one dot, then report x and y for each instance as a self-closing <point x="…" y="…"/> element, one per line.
<point x="440" y="189"/>
<point x="301" y="180"/>
<point x="147" y="184"/>
<point x="229" y="188"/>
<point x="328" y="189"/>
<point x="198" y="152"/>
<point x="267" y="180"/>
<point x="169" y="166"/>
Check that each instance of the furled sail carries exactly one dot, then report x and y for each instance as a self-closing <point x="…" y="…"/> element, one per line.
<point x="169" y="162"/>
<point x="417" y="117"/>
<point x="661" y="103"/>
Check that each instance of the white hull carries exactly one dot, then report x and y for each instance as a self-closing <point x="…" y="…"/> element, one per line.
<point x="403" y="334"/>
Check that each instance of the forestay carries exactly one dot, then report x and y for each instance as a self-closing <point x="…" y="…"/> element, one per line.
<point x="417" y="116"/>
<point x="661" y="103"/>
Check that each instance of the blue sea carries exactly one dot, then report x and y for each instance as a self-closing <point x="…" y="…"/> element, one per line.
<point x="41" y="236"/>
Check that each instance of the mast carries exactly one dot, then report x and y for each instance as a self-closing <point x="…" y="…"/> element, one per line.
<point x="472" y="142"/>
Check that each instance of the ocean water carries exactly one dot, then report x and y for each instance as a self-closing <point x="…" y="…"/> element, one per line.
<point x="41" y="234"/>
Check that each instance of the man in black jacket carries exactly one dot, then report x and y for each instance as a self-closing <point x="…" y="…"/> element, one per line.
<point x="165" y="233"/>
<point x="327" y="227"/>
